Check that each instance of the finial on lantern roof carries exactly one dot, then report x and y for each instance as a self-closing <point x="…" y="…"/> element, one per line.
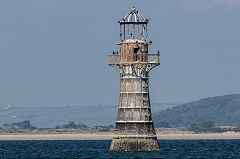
<point x="133" y="9"/>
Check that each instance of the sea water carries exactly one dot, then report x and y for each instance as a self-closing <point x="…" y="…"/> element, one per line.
<point x="100" y="149"/>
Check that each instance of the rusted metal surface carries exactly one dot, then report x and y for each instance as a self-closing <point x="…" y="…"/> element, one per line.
<point x="134" y="125"/>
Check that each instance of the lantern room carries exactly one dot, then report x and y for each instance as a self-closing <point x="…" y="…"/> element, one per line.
<point x="133" y="26"/>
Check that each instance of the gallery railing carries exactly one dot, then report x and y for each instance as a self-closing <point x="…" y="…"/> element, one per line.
<point x="117" y="59"/>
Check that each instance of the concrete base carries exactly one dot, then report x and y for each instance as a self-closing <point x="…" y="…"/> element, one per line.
<point x="134" y="144"/>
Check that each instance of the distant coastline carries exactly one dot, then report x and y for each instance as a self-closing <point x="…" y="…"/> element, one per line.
<point x="108" y="136"/>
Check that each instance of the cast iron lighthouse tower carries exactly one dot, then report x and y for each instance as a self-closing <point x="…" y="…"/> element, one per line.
<point x="134" y="125"/>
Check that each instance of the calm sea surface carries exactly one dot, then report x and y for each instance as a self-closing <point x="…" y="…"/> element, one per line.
<point x="100" y="149"/>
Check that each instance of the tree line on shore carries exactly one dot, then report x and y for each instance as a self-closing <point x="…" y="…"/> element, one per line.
<point x="198" y="127"/>
<point x="203" y="126"/>
<point x="26" y="125"/>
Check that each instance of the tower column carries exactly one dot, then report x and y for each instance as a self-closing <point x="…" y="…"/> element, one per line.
<point x="134" y="125"/>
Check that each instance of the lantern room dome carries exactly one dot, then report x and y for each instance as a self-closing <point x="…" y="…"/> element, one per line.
<point x="133" y="17"/>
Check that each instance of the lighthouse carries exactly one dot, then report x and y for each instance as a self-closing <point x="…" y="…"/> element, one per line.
<point x="134" y="126"/>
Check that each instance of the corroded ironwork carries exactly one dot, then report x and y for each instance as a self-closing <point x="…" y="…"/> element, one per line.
<point x="134" y="125"/>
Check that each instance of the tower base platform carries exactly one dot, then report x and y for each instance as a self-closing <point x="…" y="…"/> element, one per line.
<point x="134" y="144"/>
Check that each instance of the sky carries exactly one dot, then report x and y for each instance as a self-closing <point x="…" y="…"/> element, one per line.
<point x="54" y="52"/>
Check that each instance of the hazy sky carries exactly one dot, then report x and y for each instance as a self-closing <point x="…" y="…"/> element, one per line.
<point x="54" y="52"/>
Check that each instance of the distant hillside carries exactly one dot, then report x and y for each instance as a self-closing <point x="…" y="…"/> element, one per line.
<point x="223" y="110"/>
<point x="51" y="116"/>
